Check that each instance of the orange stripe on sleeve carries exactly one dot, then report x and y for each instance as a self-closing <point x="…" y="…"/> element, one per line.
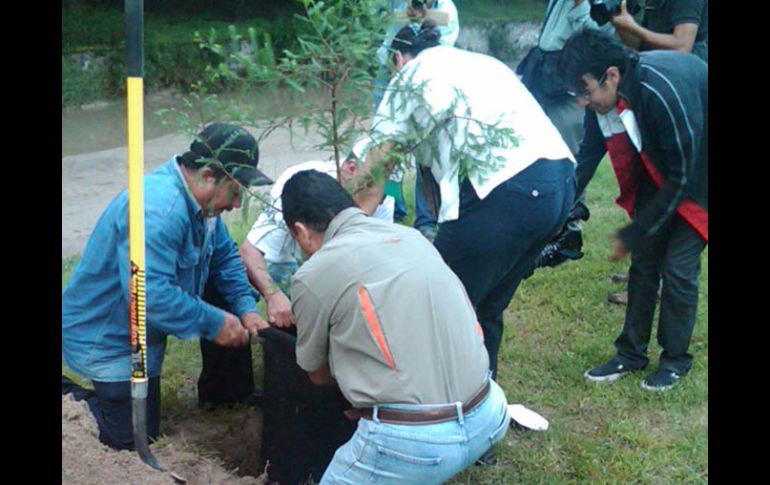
<point x="374" y="324"/>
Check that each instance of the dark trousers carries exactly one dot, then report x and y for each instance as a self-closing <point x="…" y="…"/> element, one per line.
<point x="674" y="257"/>
<point x="227" y="374"/>
<point x="110" y="403"/>
<point x="494" y="242"/>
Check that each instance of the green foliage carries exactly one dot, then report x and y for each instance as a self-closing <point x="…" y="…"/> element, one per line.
<point x="89" y="25"/>
<point x="172" y="57"/>
<point x="332" y="57"/>
<point x="80" y="86"/>
<point x="335" y="60"/>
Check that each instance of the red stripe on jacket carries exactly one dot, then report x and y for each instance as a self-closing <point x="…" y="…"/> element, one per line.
<point x="625" y="160"/>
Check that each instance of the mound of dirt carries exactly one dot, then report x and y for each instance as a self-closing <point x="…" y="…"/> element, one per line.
<point x="87" y="461"/>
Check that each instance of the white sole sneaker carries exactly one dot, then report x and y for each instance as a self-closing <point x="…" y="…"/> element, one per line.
<point x="655" y="388"/>
<point x="607" y="378"/>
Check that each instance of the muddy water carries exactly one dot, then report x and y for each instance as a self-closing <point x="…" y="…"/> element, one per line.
<point x="102" y="125"/>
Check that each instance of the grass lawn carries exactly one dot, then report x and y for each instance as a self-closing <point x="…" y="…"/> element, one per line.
<point x="558" y="325"/>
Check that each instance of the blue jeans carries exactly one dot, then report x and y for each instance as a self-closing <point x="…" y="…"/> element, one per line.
<point x="423" y="216"/>
<point x="421" y="454"/>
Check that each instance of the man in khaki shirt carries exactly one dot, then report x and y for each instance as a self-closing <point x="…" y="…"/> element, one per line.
<point x="380" y="314"/>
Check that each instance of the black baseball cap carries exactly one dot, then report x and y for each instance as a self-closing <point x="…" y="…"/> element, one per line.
<point x="235" y="149"/>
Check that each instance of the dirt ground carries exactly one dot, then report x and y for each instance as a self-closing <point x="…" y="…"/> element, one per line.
<point x="86" y="461"/>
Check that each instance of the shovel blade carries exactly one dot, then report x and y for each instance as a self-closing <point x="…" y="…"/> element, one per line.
<point x="139" y="424"/>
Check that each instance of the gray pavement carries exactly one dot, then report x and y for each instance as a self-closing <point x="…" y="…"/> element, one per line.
<point x="91" y="180"/>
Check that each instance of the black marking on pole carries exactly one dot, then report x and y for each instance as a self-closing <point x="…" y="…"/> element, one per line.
<point x="134" y="25"/>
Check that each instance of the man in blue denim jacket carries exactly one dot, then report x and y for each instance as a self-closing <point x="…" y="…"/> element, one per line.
<point x="187" y="244"/>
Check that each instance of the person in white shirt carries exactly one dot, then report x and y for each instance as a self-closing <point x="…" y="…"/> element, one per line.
<point x="514" y="197"/>
<point x="269" y="253"/>
<point x="443" y="14"/>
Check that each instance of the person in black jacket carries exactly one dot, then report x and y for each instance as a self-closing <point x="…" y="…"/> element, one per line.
<point x="652" y="113"/>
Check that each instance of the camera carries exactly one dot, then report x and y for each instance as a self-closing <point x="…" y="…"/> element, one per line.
<point x="603" y="10"/>
<point x="567" y="245"/>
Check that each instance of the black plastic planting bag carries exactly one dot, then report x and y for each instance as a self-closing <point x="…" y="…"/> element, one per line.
<point x="303" y="424"/>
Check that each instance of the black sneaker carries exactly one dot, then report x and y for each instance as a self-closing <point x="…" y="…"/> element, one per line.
<point x="610" y="371"/>
<point x="660" y="380"/>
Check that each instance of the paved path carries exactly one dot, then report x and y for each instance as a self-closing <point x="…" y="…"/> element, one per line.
<point x="90" y="181"/>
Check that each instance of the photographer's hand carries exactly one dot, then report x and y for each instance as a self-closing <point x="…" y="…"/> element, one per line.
<point x="623" y="20"/>
<point x="626" y="27"/>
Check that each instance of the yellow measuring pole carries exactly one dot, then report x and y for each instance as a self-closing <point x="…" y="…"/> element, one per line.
<point x="138" y="313"/>
<point x="134" y="23"/>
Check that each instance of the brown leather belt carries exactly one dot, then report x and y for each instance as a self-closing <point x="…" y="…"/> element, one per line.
<point x="437" y="414"/>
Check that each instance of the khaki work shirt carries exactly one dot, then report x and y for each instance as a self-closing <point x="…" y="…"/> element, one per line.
<point x="379" y="305"/>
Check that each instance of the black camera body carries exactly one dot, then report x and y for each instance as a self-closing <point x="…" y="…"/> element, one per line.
<point x="603" y="10"/>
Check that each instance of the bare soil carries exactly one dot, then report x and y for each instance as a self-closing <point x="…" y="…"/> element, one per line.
<point x="198" y="451"/>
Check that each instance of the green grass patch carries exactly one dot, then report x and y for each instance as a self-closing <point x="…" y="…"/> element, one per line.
<point x="558" y="325"/>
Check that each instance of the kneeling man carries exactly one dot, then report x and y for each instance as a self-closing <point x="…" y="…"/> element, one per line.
<point x="378" y="311"/>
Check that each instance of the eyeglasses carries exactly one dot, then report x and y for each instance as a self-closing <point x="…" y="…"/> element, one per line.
<point x="586" y="94"/>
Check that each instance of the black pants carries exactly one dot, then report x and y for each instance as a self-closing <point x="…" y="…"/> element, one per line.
<point x="674" y="257"/>
<point x="494" y="242"/>
<point x="227" y="374"/>
<point x="110" y="403"/>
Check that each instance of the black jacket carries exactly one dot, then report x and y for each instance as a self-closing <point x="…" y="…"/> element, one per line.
<point x="668" y="93"/>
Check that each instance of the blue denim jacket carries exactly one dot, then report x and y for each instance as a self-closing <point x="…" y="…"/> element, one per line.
<point x="183" y="248"/>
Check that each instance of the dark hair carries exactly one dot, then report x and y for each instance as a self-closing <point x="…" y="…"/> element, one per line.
<point x="593" y="52"/>
<point x="314" y="199"/>
<point x="414" y="38"/>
